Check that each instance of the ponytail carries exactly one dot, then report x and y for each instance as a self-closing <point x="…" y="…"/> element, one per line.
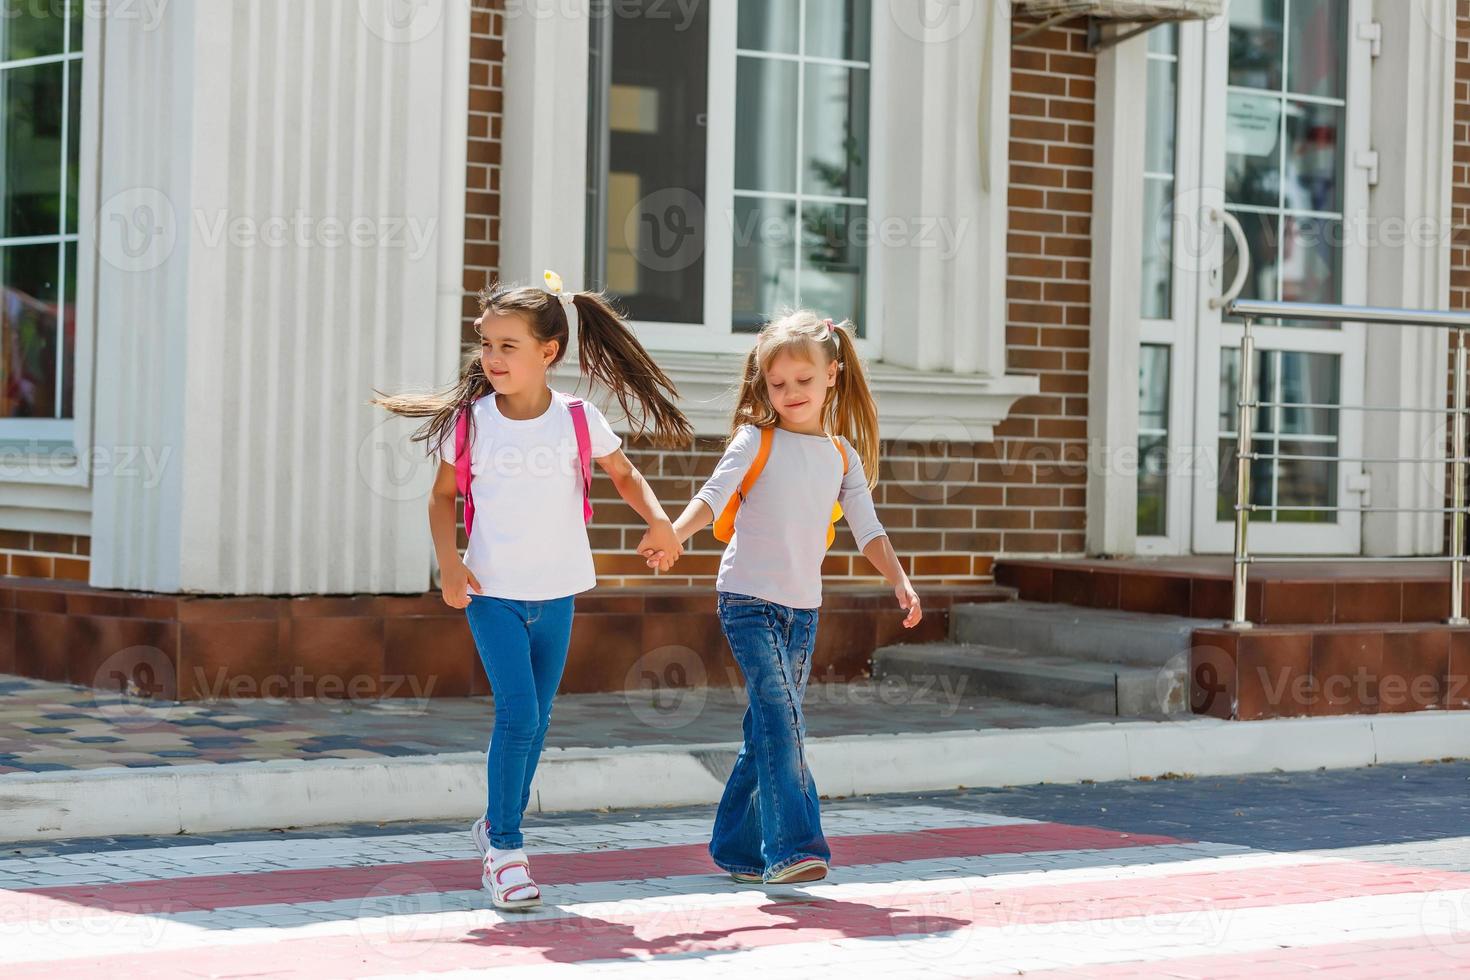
<point x="850" y="410"/>
<point x="611" y="356"/>
<point x="441" y="408"/>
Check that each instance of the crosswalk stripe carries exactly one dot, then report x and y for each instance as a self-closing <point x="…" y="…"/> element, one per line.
<point x="293" y="885"/>
<point x="145" y="864"/>
<point x="1057" y="924"/>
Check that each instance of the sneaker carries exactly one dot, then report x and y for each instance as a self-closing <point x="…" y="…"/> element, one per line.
<point x="508" y="880"/>
<point x="481" y="834"/>
<point x="747" y="879"/>
<point x="807" y="869"/>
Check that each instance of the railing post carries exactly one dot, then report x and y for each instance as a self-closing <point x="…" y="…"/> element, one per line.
<point x="1243" y="446"/>
<point x="1457" y="488"/>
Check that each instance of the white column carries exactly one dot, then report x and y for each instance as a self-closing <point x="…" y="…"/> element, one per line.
<point x="1112" y="385"/>
<point x="544" y="153"/>
<point x="1409" y="267"/>
<point x="278" y="211"/>
<point x="942" y="87"/>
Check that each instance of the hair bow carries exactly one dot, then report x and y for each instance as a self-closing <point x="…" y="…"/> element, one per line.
<point x="551" y="282"/>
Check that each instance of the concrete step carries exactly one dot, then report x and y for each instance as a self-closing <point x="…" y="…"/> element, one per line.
<point x="1118" y="690"/>
<point x="1098" y="635"/>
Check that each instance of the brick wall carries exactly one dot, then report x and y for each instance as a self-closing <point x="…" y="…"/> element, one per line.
<point x="1044" y="442"/>
<point x="1460" y="207"/>
<point x="39" y="555"/>
<point x="482" y="189"/>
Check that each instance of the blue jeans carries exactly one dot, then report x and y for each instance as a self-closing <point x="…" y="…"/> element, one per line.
<point x="523" y="646"/>
<point x="769" y="817"/>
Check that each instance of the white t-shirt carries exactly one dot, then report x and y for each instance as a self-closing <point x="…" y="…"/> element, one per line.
<point x="529" y="541"/>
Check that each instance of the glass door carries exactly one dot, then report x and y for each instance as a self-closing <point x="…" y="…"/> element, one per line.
<point x="1284" y="121"/>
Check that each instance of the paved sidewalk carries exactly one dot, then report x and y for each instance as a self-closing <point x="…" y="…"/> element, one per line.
<point x="1351" y="874"/>
<point x="46" y="727"/>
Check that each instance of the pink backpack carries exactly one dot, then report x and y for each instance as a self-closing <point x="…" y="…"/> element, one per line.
<point x="462" y="456"/>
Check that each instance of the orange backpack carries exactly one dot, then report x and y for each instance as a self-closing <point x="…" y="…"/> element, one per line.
<point x="725" y="523"/>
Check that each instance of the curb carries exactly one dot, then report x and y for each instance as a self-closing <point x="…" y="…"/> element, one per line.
<point x="295" y="793"/>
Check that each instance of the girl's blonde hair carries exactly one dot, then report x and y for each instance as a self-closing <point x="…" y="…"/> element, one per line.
<point x="848" y="409"/>
<point x="608" y="352"/>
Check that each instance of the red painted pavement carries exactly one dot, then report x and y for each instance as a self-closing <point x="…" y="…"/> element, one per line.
<point x="334" y="884"/>
<point x="702" y="928"/>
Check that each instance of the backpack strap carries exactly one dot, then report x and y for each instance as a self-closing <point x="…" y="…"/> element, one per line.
<point x="725" y="524"/>
<point x="584" y="453"/>
<point x="837" y="506"/>
<point x="462" y="458"/>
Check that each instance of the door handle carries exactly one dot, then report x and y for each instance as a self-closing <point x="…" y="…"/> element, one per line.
<point x="1243" y="253"/>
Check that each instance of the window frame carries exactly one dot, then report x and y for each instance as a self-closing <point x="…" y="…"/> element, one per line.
<point x="53" y="428"/>
<point x="53" y="451"/>
<point x="716" y="334"/>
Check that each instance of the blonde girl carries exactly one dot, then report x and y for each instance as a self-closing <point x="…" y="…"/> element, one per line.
<point x="803" y="451"/>
<point x="520" y="454"/>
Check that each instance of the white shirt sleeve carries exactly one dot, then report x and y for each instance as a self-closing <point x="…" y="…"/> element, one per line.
<point x="857" y="500"/>
<point x="731" y="469"/>
<point x="446" y="446"/>
<point x="605" y="441"/>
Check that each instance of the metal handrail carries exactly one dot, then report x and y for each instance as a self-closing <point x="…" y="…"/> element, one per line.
<point x="1260" y="309"/>
<point x="1456" y="462"/>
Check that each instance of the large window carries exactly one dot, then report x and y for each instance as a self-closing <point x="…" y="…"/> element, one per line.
<point x="40" y="99"/>
<point x="1157" y="280"/>
<point x="747" y="123"/>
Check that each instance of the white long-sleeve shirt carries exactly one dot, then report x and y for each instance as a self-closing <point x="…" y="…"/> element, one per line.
<point x="781" y="529"/>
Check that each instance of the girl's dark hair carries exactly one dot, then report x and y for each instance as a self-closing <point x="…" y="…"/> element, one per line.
<point x="607" y="352"/>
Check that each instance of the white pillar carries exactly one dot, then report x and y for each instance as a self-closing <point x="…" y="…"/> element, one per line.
<point x="942" y="85"/>
<point x="544" y="153"/>
<point x="278" y="210"/>
<point x="1409" y="267"/>
<point x="1112" y="385"/>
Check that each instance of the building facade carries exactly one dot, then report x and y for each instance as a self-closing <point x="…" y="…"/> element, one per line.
<point x="240" y="218"/>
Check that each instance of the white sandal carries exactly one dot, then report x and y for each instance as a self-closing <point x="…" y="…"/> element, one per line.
<point x="510" y="895"/>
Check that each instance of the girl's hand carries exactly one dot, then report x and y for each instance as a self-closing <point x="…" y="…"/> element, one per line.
<point x="455" y="580"/>
<point x="908" y="599"/>
<point x="657" y="560"/>
<point x="660" y="543"/>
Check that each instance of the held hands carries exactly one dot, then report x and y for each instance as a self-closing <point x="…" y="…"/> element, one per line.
<point x="660" y="546"/>
<point x="455" y="581"/>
